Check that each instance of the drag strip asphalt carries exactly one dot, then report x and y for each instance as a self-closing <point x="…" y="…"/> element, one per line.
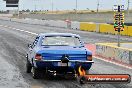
<point x="14" y="38"/>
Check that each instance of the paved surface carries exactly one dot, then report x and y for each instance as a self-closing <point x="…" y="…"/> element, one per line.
<point x="14" y="38"/>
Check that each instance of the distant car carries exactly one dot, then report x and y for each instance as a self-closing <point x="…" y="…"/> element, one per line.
<point x="57" y="54"/>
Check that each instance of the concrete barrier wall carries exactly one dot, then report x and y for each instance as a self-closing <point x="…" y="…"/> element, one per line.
<point x="106" y="28"/>
<point x="29" y="21"/>
<point x="125" y="32"/>
<point x="129" y="30"/>
<point x="75" y="25"/>
<point x="4" y="18"/>
<point x="97" y="27"/>
<point x="114" y="53"/>
<point x="130" y="57"/>
<point x="6" y="15"/>
<point x="54" y="23"/>
<point x="85" y="26"/>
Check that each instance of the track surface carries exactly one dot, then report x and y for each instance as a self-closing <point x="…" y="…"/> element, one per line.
<point x="14" y="38"/>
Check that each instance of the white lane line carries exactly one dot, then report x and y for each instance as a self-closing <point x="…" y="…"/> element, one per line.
<point x="113" y="62"/>
<point x="14" y="28"/>
<point x="10" y="27"/>
<point x="31" y="32"/>
<point x="5" y="26"/>
<point x="25" y="31"/>
<point x="19" y="30"/>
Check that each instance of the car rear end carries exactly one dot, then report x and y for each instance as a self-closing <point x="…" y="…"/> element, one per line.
<point x="63" y="62"/>
<point x="62" y="53"/>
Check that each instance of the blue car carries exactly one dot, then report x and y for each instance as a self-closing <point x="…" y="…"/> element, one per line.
<point x="57" y="54"/>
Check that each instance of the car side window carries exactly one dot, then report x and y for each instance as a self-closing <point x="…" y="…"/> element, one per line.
<point x="35" y="42"/>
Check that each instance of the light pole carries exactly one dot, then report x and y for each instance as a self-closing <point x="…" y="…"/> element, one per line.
<point x="52" y="6"/>
<point x="43" y="1"/>
<point x="98" y="6"/>
<point x="76" y="6"/>
<point x="35" y="5"/>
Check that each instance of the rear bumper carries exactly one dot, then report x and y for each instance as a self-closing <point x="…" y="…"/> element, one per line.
<point x="81" y="61"/>
<point x="54" y="64"/>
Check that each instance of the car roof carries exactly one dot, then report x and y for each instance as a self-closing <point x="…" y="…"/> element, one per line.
<point x="58" y="34"/>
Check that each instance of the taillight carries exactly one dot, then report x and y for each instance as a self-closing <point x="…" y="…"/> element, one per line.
<point x="38" y="57"/>
<point x="89" y="57"/>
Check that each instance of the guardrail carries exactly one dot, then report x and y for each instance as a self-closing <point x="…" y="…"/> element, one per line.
<point x="75" y="25"/>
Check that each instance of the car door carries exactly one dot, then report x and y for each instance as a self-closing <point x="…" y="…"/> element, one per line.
<point x="32" y="48"/>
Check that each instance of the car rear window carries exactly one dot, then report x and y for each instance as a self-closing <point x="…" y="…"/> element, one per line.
<point x="61" y="41"/>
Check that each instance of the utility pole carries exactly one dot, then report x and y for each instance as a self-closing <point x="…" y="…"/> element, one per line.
<point x="18" y="9"/>
<point x="52" y="6"/>
<point x="35" y="7"/>
<point x="128" y="7"/>
<point x="98" y="6"/>
<point x="43" y="5"/>
<point x="76" y="6"/>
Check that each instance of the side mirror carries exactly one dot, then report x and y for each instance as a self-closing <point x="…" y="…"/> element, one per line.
<point x="29" y="45"/>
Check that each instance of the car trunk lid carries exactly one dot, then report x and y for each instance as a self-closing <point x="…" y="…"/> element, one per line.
<point x="57" y="53"/>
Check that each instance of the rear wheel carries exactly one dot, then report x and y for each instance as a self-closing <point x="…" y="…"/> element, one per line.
<point x="28" y="67"/>
<point x="35" y="73"/>
<point x="82" y="80"/>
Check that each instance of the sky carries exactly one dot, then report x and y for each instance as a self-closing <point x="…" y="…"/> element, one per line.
<point x="65" y="4"/>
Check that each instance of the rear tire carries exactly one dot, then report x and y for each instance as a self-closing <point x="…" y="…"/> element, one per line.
<point x="35" y="73"/>
<point x="82" y="80"/>
<point x="28" y="67"/>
